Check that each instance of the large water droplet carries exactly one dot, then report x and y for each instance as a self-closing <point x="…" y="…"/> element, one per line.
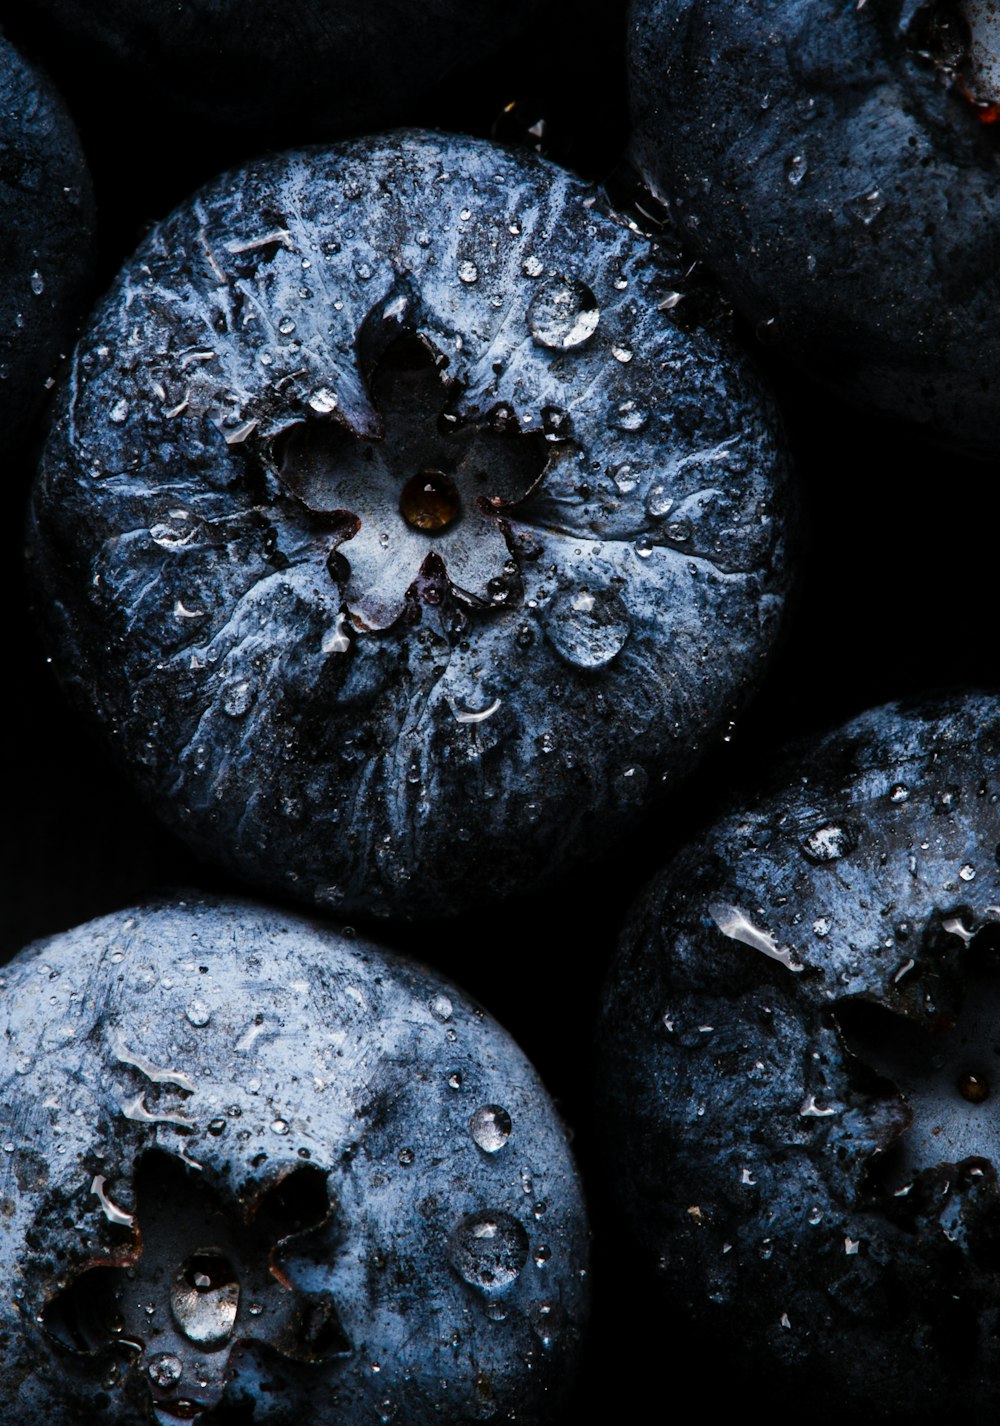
<point x="796" y="169"/>
<point x="205" y="1299"/>
<point x="165" y="1370"/>
<point x="488" y="1250"/>
<point x="490" y="1128"/>
<point x="563" y="314"/>
<point x="586" y="628"/>
<point x="429" y="501"/>
<point x="828" y="843"/>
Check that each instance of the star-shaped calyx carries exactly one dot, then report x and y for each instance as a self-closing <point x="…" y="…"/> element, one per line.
<point x="419" y="508"/>
<point x="942" y="1058"/>
<point x="199" y="1282"/>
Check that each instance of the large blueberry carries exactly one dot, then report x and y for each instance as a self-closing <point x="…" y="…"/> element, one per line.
<point x="401" y="536"/>
<point x="837" y="165"/>
<point x="320" y="67"/>
<point x="46" y="239"/>
<point x="253" y="1170"/>
<point x="801" y="1071"/>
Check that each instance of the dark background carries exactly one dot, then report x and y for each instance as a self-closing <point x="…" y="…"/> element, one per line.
<point x="897" y="595"/>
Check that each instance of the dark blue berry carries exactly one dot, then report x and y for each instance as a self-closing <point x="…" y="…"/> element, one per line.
<point x="255" y="1170"/>
<point x="800" y="1058"/>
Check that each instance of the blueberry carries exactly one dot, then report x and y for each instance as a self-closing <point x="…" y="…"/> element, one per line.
<point x="253" y="1169"/>
<point x="836" y="165"/>
<point x="403" y="541"/>
<point x="47" y="243"/>
<point x="801" y="1068"/>
<point x="306" y="67"/>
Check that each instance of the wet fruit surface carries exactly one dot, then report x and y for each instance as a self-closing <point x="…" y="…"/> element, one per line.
<point x="421" y="543"/>
<point x="798" y="1103"/>
<point x="274" y="1172"/>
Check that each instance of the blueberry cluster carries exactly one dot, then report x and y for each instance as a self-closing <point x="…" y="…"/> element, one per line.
<point x="503" y="442"/>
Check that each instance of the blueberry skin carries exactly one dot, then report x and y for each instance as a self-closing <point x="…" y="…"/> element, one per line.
<point x="822" y="161"/>
<point x="47" y="244"/>
<point x="452" y="1242"/>
<point x="379" y="719"/>
<point x="786" y="1037"/>
<point x="315" y="68"/>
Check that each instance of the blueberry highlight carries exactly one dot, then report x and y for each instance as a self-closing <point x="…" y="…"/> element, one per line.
<point x="393" y="589"/>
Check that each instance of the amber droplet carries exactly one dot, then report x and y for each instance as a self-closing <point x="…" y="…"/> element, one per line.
<point x="973" y="1088"/>
<point x="429" y="501"/>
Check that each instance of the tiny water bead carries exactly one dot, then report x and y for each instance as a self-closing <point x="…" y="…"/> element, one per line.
<point x="430" y="501"/>
<point x="973" y="1087"/>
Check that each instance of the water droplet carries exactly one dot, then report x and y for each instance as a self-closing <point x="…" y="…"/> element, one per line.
<point x="336" y="640"/>
<point x="542" y="1255"/>
<point x="586" y="627"/>
<point x="119" y="412"/>
<point x="828" y="843"/>
<point x="406" y="1157"/>
<point x="865" y="207"/>
<point x="625" y="478"/>
<point x="644" y="547"/>
<point x="441" y="1008"/>
<point x="164" y="1370"/>
<point x="899" y="792"/>
<point x="323" y="400"/>
<point x="488" y="1250"/>
<point x="204" y="1299"/>
<point x="37" y="283"/>
<point x="968" y="873"/>
<point x="658" y="502"/>
<point x="796" y="169"/>
<point x="279" y="1126"/>
<point x="622" y="354"/>
<point x="973" y="1088"/>
<point x="732" y="922"/>
<point x="468" y="272"/>
<point x="286" y="326"/>
<point x="532" y="267"/>
<point x="630" y="417"/>
<point x="429" y="501"/>
<point x="237" y="698"/>
<point x="455" y="1081"/>
<point x="490" y="1128"/>
<point x="198" y="1014"/>
<point x="563" y="314"/>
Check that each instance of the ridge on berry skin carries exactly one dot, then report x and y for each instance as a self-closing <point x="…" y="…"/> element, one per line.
<point x="801" y="1064"/>
<point x="401" y="530"/>
<point x="835" y="165"/>
<point x="252" y="1168"/>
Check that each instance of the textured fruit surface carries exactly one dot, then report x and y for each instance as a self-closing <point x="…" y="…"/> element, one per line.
<point x="46" y="239"/>
<point x="254" y="1170"/>
<point x="403" y="539"/>
<point x="836" y="164"/>
<point x="801" y="1070"/>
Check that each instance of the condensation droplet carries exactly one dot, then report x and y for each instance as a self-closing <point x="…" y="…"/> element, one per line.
<point x="658" y="502"/>
<point x="796" y="169"/>
<point x="119" y="411"/>
<point x="237" y="698"/>
<point x="563" y="314"/>
<point x="828" y="843"/>
<point x="490" y="1128"/>
<point x="164" y="1370"/>
<point x="441" y="1008"/>
<point x="198" y="1014"/>
<point x="488" y="1251"/>
<point x="865" y="207"/>
<point x="468" y="272"/>
<point x="323" y="400"/>
<point x="587" y="628"/>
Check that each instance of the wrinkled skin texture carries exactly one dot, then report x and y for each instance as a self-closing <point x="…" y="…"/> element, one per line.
<point x="795" y="1006"/>
<point x="378" y="719"/>
<point x="352" y="1108"/>
<point x="329" y="66"/>
<point x="46" y="239"/>
<point x="824" y="159"/>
